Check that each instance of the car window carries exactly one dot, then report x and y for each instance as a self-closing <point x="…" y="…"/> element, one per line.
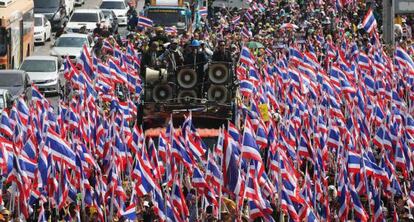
<point x="84" y="17"/>
<point x="12" y="79"/>
<point x="38" y="21"/>
<point x="113" y="5"/>
<point x="38" y="66"/>
<point x="70" y="41"/>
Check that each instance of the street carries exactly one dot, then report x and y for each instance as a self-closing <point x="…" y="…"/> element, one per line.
<point x="44" y="49"/>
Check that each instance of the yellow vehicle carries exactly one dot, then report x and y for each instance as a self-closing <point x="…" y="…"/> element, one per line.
<point x="16" y="32"/>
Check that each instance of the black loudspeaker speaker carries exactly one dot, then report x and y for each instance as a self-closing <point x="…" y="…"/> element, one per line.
<point x="218" y="73"/>
<point x="187" y="78"/>
<point x="218" y="93"/>
<point x="162" y="93"/>
<point x="187" y="96"/>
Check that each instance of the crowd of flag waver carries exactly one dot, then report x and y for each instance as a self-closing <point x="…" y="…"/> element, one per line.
<point x="348" y="124"/>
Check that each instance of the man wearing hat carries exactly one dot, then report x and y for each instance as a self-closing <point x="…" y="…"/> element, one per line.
<point x="172" y="57"/>
<point x="159" y="37"/>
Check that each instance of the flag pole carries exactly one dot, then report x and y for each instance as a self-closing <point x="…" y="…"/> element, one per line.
<point x="221" y="181"/>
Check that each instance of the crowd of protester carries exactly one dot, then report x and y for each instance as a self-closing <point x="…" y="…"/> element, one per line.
<point x="221" y="37"/>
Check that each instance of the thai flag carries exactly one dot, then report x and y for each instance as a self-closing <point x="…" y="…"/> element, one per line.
<point x="130" y="212"/>
<point x="214" y="174"/>
<point x="118" y="74"/>
<point x="246" y="33"/>
<point x="28" y="165"/>
<point x="358" y="208"/>
<point x="23" y="111"/>
<point x="145" y="22"/>
<point x="5" y="126"/>
<point x="231" y="172"/>
<point x="180" y="153"/>
<point x="198" y="180"/>
<point x="246" y="56"/>
<point x="235" y="19"/>
<point x="29" y="148"/>
<point x="250" y="149"/>
<point x="142" y="174"/>
<point x="354" y="162"/>
<point x="171" y="30"/>
<point x="369" y="23"/>
<point x="86" y="62"/>
<point x="178" y="199"/>
<point x="203" y="12"/>
<point x="60" y="149"/>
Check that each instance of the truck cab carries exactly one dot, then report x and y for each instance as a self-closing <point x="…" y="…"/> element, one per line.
<point x="167" y="13"/>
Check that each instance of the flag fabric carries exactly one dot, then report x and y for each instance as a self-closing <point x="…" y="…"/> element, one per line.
<point x="145" y="22"/>
<point x="369" y="23"/>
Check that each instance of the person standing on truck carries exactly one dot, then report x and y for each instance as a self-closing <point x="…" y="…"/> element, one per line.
<point x="172" y="57"/>
<point x="222" y="54"/>
<point x="150" y="58"/>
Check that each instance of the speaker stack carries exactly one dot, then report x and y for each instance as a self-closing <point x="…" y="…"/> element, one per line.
<point x="187" y="80"/>
<point x="157" y="87"/>
<point x="187" y="86"/>
<point x="219" y="76"/>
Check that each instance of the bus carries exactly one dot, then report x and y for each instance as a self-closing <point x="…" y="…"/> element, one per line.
<point x="16" y="32"/>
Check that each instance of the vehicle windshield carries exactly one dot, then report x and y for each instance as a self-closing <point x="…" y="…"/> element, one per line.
<point x="46" y="3"/>
<point x="84" y="17"/>
<point x="39" y="66"/>
<point x="38" y="21"/>
<point x="70" y="42"/>
<point x="165" y="18"/>
<point x="112" y="5"/>
<point x="3" y="41"/>
<point x="11" y="80"/>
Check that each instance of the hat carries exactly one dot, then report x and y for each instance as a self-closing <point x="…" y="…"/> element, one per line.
<point x="159" y="29"/>
<point x="195" y="43"/>
<point x="175" y="41"/>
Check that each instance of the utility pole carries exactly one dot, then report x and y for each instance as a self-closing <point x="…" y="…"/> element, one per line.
<point x="388" y="15"/>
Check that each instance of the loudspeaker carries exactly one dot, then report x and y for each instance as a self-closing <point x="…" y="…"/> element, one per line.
<point x="217" y="93"/>
<point x="218" y="73"/>
<point x="187" y="78"/>
<point x="152" y="76"/>
<point x="162" y="92"/>
<point x="186" y="96"/>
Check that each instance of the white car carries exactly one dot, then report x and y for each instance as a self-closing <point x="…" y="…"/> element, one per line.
<point x="79" y="2"/>
<point x="71" y="44"/>
<point x="85" y="17"/>
<point x="119" y="7"/>
<point x="42" y="29"/>
<point x="44" y="71"/>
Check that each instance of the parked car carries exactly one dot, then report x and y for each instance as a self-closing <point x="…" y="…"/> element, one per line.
<point x="79" y="2"/>
<point x="84" y="17"/>
<point x="6" y="100"/>
<point x="17" y="82"/>
<point x="119" y="7"/>
<point x="42" y="29"/>
<point x="54" y="10"/>
<point x="44" y="71"/>
<point x="71" y="44"/>
<point x="111" y="20"/>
